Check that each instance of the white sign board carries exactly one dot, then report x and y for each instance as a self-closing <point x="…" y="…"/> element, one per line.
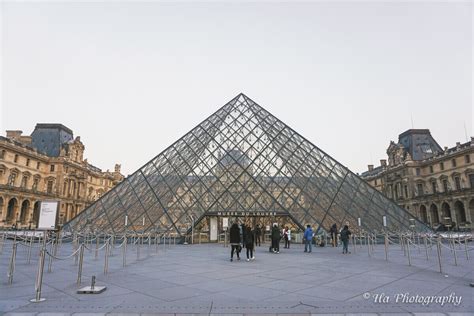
<point x="358" y="221"/>
<point x="225" y="222"/>
<point x="47" y="216"/>
<point x="384" y="221"/>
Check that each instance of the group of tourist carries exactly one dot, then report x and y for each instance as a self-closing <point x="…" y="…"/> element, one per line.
<point x="242" y="236"/>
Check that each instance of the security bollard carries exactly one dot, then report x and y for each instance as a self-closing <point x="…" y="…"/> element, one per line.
<point x="368" y="244"/>
<point x="79" y="270"/>
<point x="386" y="247"/>
<point x="149" y="244"/>
<point x="138" y="249"/>
<point x="11" y="267"/>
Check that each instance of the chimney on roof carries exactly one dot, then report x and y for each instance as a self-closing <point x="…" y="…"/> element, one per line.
<point x="445" y="148"/>
<point x="458" y="144"/>
<point x="371" y="167"/>
<point x="15" y="135"/>
<point x="383" y="162"/>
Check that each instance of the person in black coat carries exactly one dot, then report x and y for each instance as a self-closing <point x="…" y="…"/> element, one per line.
<point x="333" y="232"/>
<point x="258" y="233"/>
<point x="276" y="239"/>
<point x="249" y="243"/>
<point x="234" y="241"/>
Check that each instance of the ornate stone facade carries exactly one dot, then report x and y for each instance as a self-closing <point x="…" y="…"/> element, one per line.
<point x="48" y="165"/>
<point x="436" y="185"/>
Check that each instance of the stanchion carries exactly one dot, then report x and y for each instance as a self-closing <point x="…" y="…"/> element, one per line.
<point x="368" y="244"/>
<point x="455" y="255"/>
<point x="408" y="251"/>
<point x="124" y="251"/>
<point x="465" y="248"/>
<point x="81" y="259"/>
<point x="106" y="256"/>
<point x="112" y="243"/>
<point x="96" y="255"/>
<point x="438" y="245"/>
<point x="149" y="244"/>
<point x="75" y="245"/>
<point x="157" y="242"/>
<point x="354" y="243"/>
<point x="2" y="242"/>
<point x="138" y="249"/>
<point x="426" y="248"/>
<point x="50" y="260"/>
<point x="386" y="247"/>
<point x="11" y="266"/>
<point x="28" y="260"/>
<point x="39" y="274"/>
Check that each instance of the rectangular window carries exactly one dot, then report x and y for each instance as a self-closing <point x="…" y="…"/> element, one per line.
<point x="11" y="179"/>
<point x="15" y="159"/>
<point x="28" y="162"/>
<point x="38" y="165"/>
<point x="51" y="168"/>
<point x="431" y="169"/>
<point x="471" y="180"/>
<point x="467" y="159"/>
<point x="406" y="191"/>
<point x="24" y="180"/>
<point x="2" y="154"/>
<point x="453" y="162"/>
<point x="50" y="187"/>
<point x="419" y="188"/>
<point x="35" y="184"/>
<point x="445" y="185"/>
<point x="375" y="181"/>
<point x="433" y="187"/>
<point x="418" y="171"/>
<point x="457" y="182"/>
<point x="441" y="165"/>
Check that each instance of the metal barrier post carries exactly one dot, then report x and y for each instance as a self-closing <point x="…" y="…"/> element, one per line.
<point x="124" y="251"/>
<point x="465" y="248"/>
<point x="354" y="243"/>
<point x="426" y="247"/>
<point x="75" y="244"/>
<point x="11" y="267"/>
<point x="138" y="249"/>
<point x="157" y="242"/>
<point x="79" y="270"/>
<point x="368" y="244"/>
<point x="28" y="260"/>
<point x="455" y="255"/>
<point x="438" y="245"/>
<point x="408" y="251"/>
<point x="106" y="256"/>
<point x="386" y="247"/>
<point x="149" y="244"/>
<point x="2" y="243"/>
<point x="39" y="274"/>
<point x="50" y="260"/>
<point x="96" y="255"/>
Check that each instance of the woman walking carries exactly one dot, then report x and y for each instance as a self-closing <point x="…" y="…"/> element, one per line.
<point x="235" y="241"/>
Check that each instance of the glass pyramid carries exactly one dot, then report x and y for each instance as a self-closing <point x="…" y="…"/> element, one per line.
<point x="241" y="160"/>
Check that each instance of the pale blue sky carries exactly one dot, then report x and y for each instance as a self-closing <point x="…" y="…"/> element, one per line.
<point x="131" y="78"/>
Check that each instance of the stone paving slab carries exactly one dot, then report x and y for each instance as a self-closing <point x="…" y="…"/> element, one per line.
<point x="199" y="279"/>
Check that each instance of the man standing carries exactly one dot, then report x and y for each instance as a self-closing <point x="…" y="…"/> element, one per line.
<point x="276" y="239"/>
<point x="345" y="235"/>
<point x="258" y="233"/>
<point x="287" y="236"/>
<point x="308" y="238"/>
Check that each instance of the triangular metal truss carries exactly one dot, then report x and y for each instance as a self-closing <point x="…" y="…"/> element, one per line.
<point x="241" y="158"/>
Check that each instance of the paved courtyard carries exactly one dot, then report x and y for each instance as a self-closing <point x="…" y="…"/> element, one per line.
<point x="200" y="279"/>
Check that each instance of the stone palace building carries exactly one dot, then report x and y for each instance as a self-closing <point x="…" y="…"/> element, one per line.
<point x="48" y="165"/>
<point x="434" y="184"/>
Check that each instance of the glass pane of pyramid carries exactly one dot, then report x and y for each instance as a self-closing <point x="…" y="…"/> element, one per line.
<point x="244" y="161"/>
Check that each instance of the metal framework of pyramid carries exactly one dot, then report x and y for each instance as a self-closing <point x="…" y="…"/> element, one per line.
<point x="241" y="159"/>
